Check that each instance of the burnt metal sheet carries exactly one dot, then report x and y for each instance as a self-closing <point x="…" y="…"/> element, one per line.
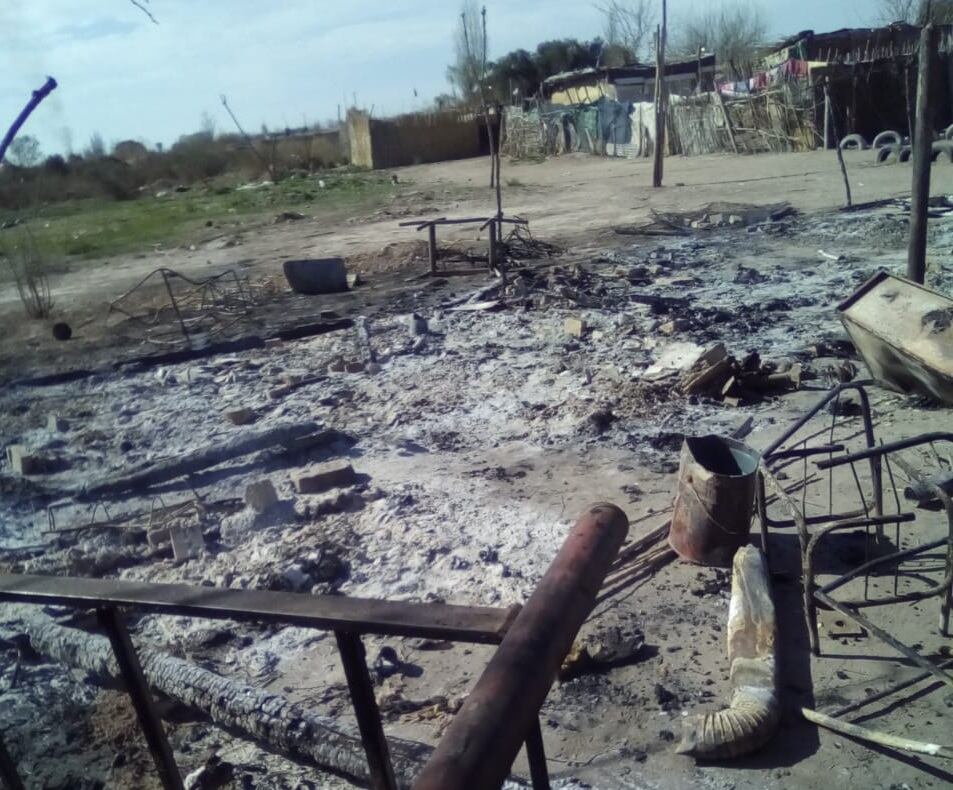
<point x="904" y="332"/>
<point x="330" y="612"/>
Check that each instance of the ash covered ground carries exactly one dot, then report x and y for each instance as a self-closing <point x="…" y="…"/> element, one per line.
<point x="475" y="444"/>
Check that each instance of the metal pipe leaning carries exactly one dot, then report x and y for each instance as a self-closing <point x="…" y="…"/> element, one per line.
<point x="479" y="747"/>
<point x="752" y="717"/>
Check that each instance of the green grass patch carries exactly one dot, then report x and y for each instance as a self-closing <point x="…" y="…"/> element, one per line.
<point x="84" y="229"/>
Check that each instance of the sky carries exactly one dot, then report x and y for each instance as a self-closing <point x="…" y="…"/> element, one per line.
<point x="279" y="63"/>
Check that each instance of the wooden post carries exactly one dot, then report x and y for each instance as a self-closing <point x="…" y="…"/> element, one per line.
<point x="724" y="112"/>
<point x="840" y="154"/>
<point x="827" y="119"/>
<point x="659" y="164"/>
<point x="922" y="158"/>
<point x="432" y="247"/>
<point x="698" y="87"/>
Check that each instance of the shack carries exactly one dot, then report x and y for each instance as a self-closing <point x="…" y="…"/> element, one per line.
<point x="635" y="83"/>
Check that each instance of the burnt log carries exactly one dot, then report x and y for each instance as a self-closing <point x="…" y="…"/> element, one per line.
<point x="267" y="718"/>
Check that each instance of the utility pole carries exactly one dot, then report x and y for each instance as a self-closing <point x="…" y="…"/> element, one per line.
<point x="660" y="109"/>
<point x="922" y="158"/>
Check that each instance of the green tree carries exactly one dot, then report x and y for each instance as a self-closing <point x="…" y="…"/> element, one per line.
<point x="24" y="151"/>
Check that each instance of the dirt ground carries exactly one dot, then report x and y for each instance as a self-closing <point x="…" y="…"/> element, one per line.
<point x="479" y="443"/>
<point x="573" y="201"/>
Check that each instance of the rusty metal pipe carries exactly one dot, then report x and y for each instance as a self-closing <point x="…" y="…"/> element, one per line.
<point x="480" y="745"/>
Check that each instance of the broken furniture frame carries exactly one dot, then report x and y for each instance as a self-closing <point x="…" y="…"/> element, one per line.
<point x="206" y="297"/>
<point x="829" y="452"/>
<point x="494" y="223"/>
<point x="500" y="715"/>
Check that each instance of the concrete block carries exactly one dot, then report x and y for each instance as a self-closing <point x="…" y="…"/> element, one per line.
<point x="575" y="327"/>
<point x="187" y="541"/>
<point x="260" y="495"/>
<point x="320" y="478"/>
<point x="241" y="416"/>
<point x="316" y="275"/>
<point x="354" y="366"/>
<point x="337" y="365"/>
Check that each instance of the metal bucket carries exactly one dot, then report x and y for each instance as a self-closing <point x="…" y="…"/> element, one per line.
<point x="715" y="499"/>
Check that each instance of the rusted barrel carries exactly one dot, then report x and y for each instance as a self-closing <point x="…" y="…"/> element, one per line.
<point x="713" y="506"/>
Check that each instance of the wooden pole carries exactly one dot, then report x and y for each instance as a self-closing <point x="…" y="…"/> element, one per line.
<point x="840" y="153"/>
<point x="724" y="112"/>
<point x="660" y="113"/>
<point x="922" y="158"/>
<point x="827" y="119"/>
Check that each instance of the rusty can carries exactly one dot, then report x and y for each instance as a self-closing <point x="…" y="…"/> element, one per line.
<point x="715" y="499"/>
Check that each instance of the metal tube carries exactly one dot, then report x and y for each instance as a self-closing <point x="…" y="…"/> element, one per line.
<point x="366" y="710"/>
<point x="38" y="95"/>
<point x="111" y="620"/>
<point x="484" y="738"/>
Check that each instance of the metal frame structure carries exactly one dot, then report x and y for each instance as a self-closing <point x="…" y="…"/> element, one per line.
<point x="535" y="637"/>
<point x="878" y="509"/>
<point x="495" y="224"/>
<point x="207" y="299"/>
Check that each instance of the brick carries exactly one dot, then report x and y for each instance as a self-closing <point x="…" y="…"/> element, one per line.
<point x="320" y="478"/>
<point x="575" y="327"/>
<point x="187" y="541"/>
<point x="23" y="463"/>
<point x="56" y="424"/>
<point x="260" y="495"/>
<point x="675" y="325"/>
<point x="240" y="416"/>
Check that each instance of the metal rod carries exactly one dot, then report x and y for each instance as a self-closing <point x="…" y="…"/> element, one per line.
<point x="883" y="636"/>
<point x="111" y="621"/>
<point x="536" y="755"/>
<point x="365" y="708"/>
<point x="888" y="691"/>
<point x="9" y="777"/>
<point x="479" y="747"/>
<point x="330" y="612"/>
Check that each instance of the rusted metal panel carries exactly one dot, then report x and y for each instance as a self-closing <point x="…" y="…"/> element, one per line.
<point x="904" y="332"/>
<point x="330" y="612"/>
<point x="484" y="738"/>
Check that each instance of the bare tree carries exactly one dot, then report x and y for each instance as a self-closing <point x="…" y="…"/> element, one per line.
<point x="141" y="5"/>
<point x="914" y="12"/>
<point x="897" y="11"/>
<point x="629" y="24"/>
<point x="465" y="74"/>
<point x="733" y="31"/>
